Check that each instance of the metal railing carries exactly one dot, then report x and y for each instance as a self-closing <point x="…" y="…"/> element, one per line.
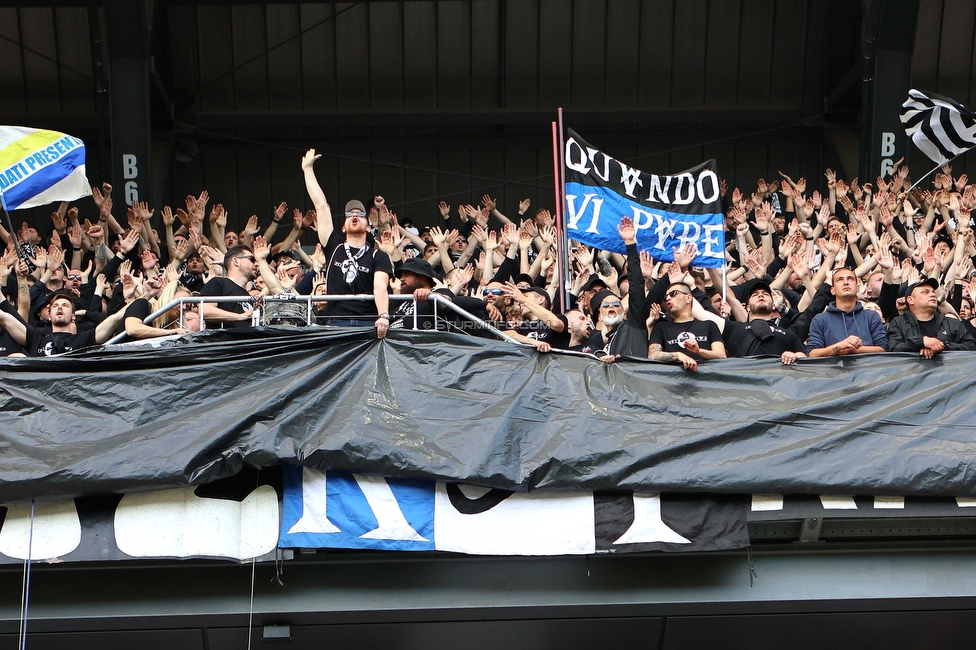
<point x="437" y="299"/>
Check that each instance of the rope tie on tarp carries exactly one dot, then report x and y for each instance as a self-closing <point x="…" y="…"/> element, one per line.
<point x="752" y="569"/>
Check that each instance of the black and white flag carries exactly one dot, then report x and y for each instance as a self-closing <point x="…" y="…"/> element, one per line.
<point x="939" y="126"/>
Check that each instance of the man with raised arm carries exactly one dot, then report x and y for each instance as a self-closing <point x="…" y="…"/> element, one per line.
<point x="353" y="264"/>
<point x="624" y="335"/>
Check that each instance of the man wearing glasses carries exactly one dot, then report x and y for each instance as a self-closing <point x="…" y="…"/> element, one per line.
<point x="683" y="339"/>
<point x="242" y="268"/>
<point x="355" y="265"/>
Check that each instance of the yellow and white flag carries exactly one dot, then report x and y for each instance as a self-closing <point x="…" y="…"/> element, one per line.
<point x="38" y="167"/>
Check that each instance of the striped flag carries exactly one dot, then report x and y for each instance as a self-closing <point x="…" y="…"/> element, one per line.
<point x="38" y="167"/>
<point x="939" y="126"/>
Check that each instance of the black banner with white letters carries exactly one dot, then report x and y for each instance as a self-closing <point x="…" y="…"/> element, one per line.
<point x="668" y="211"/>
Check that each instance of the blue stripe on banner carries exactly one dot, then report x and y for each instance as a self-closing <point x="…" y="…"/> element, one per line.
<point x="593" y="214"/>
<point x="396" y="515"/>
<point x="44" y="178"/>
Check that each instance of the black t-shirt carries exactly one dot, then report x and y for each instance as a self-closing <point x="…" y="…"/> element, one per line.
<point x="8" y="345"/>
<point x="928" y="328"/>
<point x="350" y="271"/>
<point x="43" y="343"/>
<point x="540" y="331"/>
<point x="672" y="336"/>
<point x="970" y="327"/>
<point x="139" y="309"/>
<point x="743" y="341"/>
<point x="227" y="287"/>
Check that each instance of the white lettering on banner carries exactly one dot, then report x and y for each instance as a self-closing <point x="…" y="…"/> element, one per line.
<point x="664" y="231"/>
<point x="579" y="163"/>
<point x="643" y="219"/>
<point x="710" y="240"/>
<point x="662" y="193"/>
<point x="386" y="509"/>
<point x="690" y="234"/>
<point x="678" y="199"/>
<point x="575" y="215"/>
<point x="177" y="523"/>
<point x="380" y="498"/>
<point x="57" y="530"/>
<point x="631" y="179"/>
<point x="710" y="175"/>
<point x="605" y="176"/>
<point x="314" y="517"/>
<point x="648" y="526"/>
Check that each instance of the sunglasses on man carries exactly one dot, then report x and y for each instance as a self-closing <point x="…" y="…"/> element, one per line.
<point x="492" y="292"/>
<point x="675" y="292"/>
<point x="610" y="303"/>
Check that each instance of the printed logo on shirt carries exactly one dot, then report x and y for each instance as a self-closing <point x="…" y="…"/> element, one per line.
<point x="683" y="338"/>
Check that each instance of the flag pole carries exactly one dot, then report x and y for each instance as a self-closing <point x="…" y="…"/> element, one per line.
<point x="929" y="173"/>
<point x="10" y="228"/>
<point x="562" y="236"/>
<point x="725" y="282"/>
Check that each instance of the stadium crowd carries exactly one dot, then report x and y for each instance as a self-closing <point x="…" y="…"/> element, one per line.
<point x="849" y="268"/>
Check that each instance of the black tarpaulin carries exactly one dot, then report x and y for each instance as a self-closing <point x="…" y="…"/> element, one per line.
<point x="441" y="406"/>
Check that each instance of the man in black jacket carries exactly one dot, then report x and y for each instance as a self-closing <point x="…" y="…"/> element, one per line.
<point x="624" y="336"/>
<point x="923" y="328"/>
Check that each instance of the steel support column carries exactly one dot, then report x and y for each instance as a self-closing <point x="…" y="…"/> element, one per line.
<point x="129" y="82"/>
<point x="889" y="40"/>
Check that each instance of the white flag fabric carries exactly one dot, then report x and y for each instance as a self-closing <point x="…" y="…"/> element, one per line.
<point x="38" y="167"/>
<point x="940" y="127"/>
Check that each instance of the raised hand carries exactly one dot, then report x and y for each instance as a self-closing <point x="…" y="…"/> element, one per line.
<point x="444" y="209"/>
<point x="195" y="238"/>
<point x="280" y="211"/>
<point x="148" y="259"/>
<point x="646" y="265"/>
<point x="685" y="256"/>
<point x="74" y="236"/>
<point x="251" y="227"/>
<point x="60" y="224"/>
<point x="260" y="248"/>
<point x="308" y="160"/>
<point x="129" y="241"/>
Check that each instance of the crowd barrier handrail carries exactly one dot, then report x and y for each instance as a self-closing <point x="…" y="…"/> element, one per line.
<point x="437" y="299"/>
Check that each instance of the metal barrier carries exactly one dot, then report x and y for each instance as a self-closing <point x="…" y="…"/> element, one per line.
<point x="437" y="299"/>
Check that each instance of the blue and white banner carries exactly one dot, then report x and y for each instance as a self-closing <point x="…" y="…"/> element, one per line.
<point x="668" y="211"/>
<point x="38" y="167"/>
<point x="343" y="510"/>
